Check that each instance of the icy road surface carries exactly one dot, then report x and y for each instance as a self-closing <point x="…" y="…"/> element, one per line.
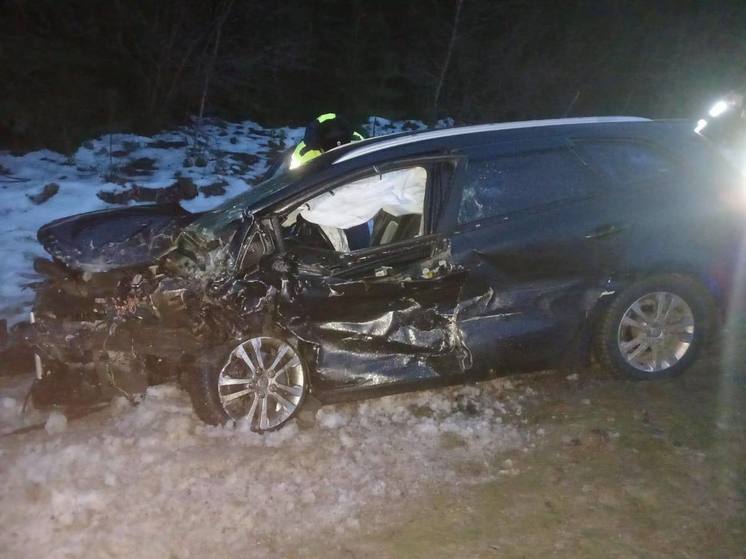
<point x="153" y="481"/>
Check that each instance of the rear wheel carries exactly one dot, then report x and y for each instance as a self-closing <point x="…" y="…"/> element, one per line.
<point x="263" y="382"/>
<point x="655" y="328"/>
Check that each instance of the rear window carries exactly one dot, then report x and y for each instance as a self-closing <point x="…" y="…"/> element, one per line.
<point x="510" y="183"/>
<point x="624" y="161"/>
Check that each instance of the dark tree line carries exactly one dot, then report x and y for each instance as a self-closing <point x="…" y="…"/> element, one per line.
<point x="75" y="68"/>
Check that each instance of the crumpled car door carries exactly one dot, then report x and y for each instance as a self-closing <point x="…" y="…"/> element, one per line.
<point x="379" y="317"/>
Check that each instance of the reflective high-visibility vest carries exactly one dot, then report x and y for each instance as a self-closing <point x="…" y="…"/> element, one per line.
<point x="302" y="154"/>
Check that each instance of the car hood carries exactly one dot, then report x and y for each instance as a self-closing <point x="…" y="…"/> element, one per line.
<point x="112" y="239"/>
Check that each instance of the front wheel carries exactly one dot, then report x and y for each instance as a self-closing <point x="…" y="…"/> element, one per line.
<point x="655" y="328"/>
<point x="263" y="382"/>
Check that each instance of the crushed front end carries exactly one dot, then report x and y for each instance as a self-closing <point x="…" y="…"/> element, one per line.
<point x="140" y="308"/>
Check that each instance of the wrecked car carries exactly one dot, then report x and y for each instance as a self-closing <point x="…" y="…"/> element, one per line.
<point x="400" y="262"/>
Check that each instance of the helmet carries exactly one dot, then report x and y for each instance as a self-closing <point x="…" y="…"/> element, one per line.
<point x="325" y="132"/>
<point x="328" y="131"/>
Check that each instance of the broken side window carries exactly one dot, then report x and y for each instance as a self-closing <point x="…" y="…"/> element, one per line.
<point x="369" y="212"/>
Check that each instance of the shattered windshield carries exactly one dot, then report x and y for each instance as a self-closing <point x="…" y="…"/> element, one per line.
<point x="231" y="210"/>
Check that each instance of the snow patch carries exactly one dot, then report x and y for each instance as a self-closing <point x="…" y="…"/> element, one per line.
<point x="56" y="423"/>
<point x="151" y="480"/>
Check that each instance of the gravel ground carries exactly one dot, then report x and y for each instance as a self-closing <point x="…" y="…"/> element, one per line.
<point x="624" y="470"/>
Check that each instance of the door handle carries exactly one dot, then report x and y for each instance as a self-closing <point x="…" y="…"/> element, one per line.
<point x="603" y="231"/>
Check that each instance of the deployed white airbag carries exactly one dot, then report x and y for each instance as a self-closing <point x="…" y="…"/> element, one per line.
<point x="398" y="193"/>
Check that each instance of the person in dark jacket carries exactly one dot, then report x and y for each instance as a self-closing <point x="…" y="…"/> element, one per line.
<point x="325" y="132"/>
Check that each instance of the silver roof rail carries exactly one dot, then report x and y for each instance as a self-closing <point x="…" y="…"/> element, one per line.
<point x="460" y="130"/>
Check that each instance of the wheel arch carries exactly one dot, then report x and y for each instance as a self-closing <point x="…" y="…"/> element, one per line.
<point x="613" y="285"/>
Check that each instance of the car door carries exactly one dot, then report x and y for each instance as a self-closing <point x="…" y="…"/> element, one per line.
<point x="529" y="224"/>
<point x="380" y="316"/>
<point x="675" y="200"/>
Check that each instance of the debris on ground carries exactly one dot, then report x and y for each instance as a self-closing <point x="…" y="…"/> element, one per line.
<point x="214" y="189"/>
<point x="47" y="192"/>
<point x="182" y="189"/>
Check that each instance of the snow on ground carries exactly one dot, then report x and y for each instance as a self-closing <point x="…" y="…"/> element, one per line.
<point x="152" y="481"/>
<point x="13" y="416"/>
<point x="236" y="154"/>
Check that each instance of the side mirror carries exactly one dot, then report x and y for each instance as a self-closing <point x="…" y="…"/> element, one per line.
<point x="247" y="218"/>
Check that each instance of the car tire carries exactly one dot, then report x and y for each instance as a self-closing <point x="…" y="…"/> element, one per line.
<point x="262" y="380"/>
<point x="655" y="328"/>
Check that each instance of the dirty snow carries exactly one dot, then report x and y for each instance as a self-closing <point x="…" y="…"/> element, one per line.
<point x="13" y="416"/>
<point x="152" y="481"/>
<point x="56" y="423"/>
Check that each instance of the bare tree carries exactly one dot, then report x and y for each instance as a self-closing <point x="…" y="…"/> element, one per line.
<point x="222" y="16"/>
<point x="447" y="61"/>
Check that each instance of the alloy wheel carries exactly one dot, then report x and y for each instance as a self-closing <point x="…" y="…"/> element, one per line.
<point x="263" y="382"/>
<point x="656" y="331"/>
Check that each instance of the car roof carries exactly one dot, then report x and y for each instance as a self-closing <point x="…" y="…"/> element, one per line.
<point x="372" y="145"/>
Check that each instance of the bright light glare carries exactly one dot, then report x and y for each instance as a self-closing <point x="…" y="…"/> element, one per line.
<point x="718" y="108"/>
<point x="701" y="123"/>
